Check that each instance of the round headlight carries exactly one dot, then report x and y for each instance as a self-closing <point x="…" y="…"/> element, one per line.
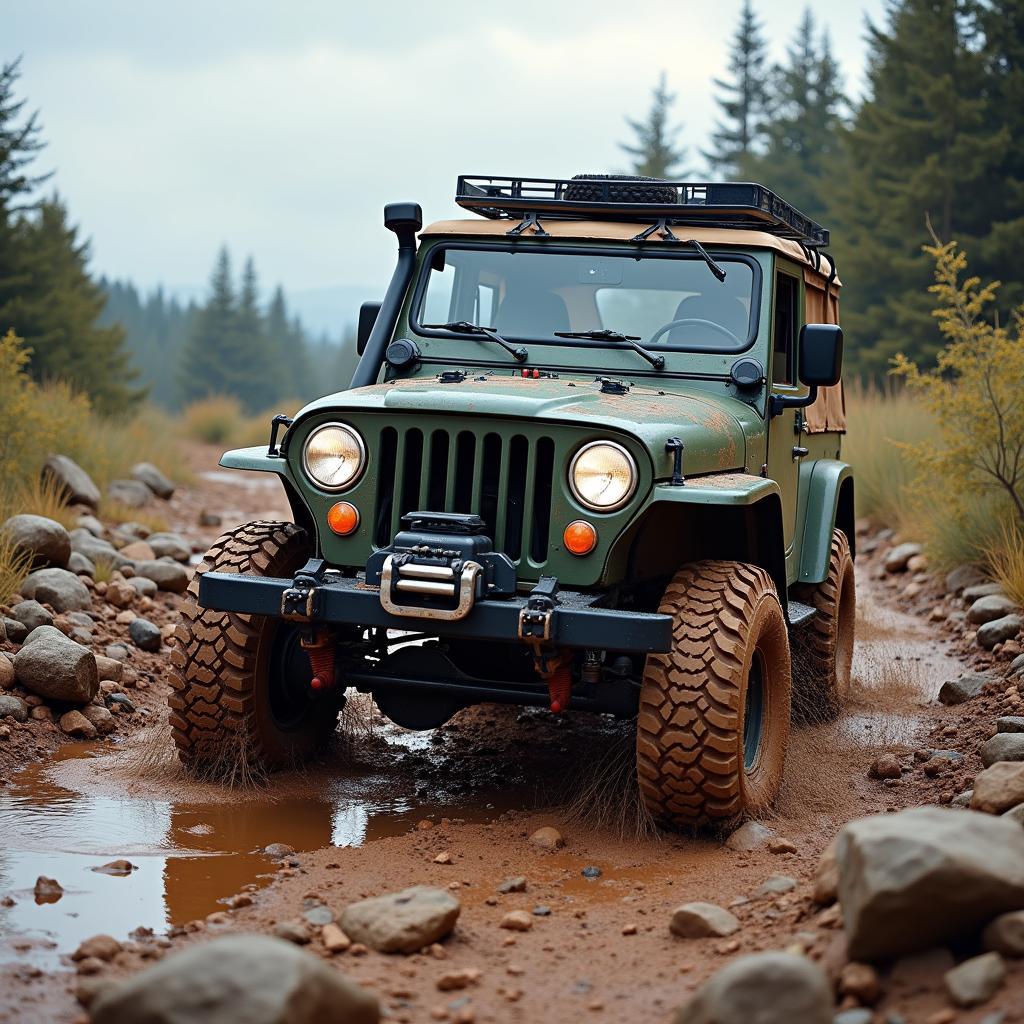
<point x="603" y="476"/>
<point x="334" y="457"/>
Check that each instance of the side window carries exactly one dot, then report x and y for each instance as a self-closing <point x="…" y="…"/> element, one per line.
<point x="484" y="311"/>
<point x="784" y="328"/>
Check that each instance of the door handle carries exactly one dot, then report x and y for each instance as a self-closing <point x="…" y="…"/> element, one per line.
<point x="800" y="452"/>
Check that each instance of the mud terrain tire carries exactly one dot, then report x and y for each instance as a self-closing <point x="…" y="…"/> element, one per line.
<point x="698" y="760"/>
<point x="222" y="718"/>
<point x="638" y="188"/>
<point x="823" y="648"/>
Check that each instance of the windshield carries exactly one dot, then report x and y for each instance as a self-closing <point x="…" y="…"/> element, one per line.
<point x="675" y="303"/>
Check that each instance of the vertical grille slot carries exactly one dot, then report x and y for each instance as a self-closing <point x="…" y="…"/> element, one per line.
<point x="465" y="456"/>
<point x="540" y="520"/>
<point x="518" y="456"/>
<point x="490" y="478"/>
<point x="385" y="486"/>
<point x="412" y="467"/>
<point x="437" y="476"/>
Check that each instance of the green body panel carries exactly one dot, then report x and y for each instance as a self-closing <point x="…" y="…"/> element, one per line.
<point x="411" y="416"/>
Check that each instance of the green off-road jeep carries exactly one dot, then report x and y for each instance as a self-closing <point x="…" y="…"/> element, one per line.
<point x="589" y="460"/>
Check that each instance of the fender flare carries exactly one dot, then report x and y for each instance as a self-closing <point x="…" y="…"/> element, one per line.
<point x="828" y="486"/>
<point x="256" y="460"/>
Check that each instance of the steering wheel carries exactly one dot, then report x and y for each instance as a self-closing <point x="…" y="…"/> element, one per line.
<point x="692" y="320"/>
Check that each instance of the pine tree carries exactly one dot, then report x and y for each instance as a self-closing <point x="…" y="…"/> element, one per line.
<point x="206" y="365"/>
<point x="19" y="144"/>
<point x="803" y="139"/>
<point x="655" y="153"/>
<point x="919" y="147"/>
<point x="745" y="100"/>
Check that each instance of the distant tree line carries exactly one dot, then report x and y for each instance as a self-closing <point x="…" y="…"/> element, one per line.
<point x="938" y="137"/>
<point x="229" y="344"/>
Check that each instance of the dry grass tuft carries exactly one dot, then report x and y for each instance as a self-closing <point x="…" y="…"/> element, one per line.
<point x="117" y="512"/>
<point x="14" y="567"/>
<point x="1004" y="556"/>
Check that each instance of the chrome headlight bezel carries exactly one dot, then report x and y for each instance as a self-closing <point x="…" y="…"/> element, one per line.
<point x="634" y="477"/>
<point x="360" y="444"/>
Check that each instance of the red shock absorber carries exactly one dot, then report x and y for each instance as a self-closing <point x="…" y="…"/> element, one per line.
<point x="320" y="650"/>
<point x="560" y="687"/>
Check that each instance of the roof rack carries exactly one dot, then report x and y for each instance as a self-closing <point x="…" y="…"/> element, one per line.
<point x="712" y="204"/>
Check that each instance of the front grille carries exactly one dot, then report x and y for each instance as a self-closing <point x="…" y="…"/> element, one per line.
<point x="506" y="480"/>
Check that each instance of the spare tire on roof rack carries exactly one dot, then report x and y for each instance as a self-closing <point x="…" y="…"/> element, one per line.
<point x="619" y="188"/>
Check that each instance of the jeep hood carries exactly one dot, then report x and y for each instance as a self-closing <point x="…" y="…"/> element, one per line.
<point x="713" y="427"/>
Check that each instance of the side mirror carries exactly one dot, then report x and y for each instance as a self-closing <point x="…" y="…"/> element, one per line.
<point x="367" y="318"/>
<point x="821" y="354"/>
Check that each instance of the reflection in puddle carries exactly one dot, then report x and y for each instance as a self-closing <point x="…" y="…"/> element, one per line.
<point x="188" y="855"/>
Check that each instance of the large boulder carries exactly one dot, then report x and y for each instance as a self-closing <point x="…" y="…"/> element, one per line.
<point x="402" y="922"/>
<point x="998" y="788"/>
<point x="998" y="630"/>
<point x="169" y="545"/>
<point x="765" y="988"/>
<point x="924" y="876"/>
<point x="44" y="540"/>
<point x="56" y="668"/>
<point x="60" y="589"/>
<point x="131" y="493"/>
<point x="31" y="614"/>
<point x="74" y="483"/>
<point x="166" y="575"/>
<point x="1004" y="746"/>
<point x="250" y="978"/>
<point x="992" y="606"/>
<point x="963" y="576"/>
<point x="148" y="474"/>
<point x="967" y="687"/>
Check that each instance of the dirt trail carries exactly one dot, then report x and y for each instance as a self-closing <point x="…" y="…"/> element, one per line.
<point x="373" y="816"/>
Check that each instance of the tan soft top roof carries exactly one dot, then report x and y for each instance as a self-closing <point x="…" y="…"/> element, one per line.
<point x="618" y="231"/>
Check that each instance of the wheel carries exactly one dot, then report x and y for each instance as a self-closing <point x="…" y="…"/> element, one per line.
<point x="823" y="647"/>
<point x="241" y="699"/>
<point x="714" y="712"/>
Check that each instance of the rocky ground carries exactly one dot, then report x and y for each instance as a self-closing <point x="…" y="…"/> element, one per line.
<point x="543" y="894"/>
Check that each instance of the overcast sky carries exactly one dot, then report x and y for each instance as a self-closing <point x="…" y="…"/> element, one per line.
<point x="282" y="128"/>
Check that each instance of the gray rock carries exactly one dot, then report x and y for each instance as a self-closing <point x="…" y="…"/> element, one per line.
<point x="402" y="922"/>
<point x="751" y="835"/>
<point x="73" y="481"/>
<point x="144" y="587"/>
<point x="250" y="978"/>
<point x="118" y="652"/>
<point x="92" y="524"/>
<point x="1016" y="666"/>
<point x="992" y="606"/>
<point x="971" y="594"/>
<point x="97" y="550"/>
<point x="83" y="619"/>
<point x="1004" y="746"/>
<point x="775" y="885"/>
<point x="963" y="799"/>
<point x="998" y="630"/>
<point x="80" y="565"/>
<point x="953" y="756"/>
<point x="1006" y="934"/>
<point x="74" y="723"/>
<point x="169" y="545"/>
<point x="60" y="589"/>
<point x="131" y="493"/>
<point x="968" y="686"/>
<point x="100" y="718"/>
<point x="858" y="1015"/>
<point x="896" y="559"/>
<point x="319" y="915"/>
<point x="134" y="530"/>
<point x="13" y="706"/>
<point x="975" y="981"/>
<point x="45" y="540"/>
<point x="144" y="634"/>
<point x="963" y="576"/>
<point x="1015" y="814"/>
<point x="56" y="668"/>
<point x="16" y="631"/>
<point x="1010" y="723"/>
<point x="170" y="576"/>
<point x="921" y="877"/>
<point x="999" y="788"/>
<point x="769" y="988"/>
<point x="148" y="474"/>
<point x="514" y="884"/>
<point x="31" y="614"/>
<point x="702" y="920"/>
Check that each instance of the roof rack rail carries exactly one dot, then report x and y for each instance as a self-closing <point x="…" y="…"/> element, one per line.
<point x="711" y="204"/>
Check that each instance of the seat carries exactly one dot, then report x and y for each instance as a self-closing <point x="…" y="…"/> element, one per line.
<point x="532" y="315"/>
<point x="726" y="310"/>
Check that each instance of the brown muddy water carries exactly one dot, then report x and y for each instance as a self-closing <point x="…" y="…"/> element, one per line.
<point x="195" y="845"/>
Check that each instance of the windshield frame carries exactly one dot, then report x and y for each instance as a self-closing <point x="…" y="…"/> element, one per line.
<point x="636" y="253"/>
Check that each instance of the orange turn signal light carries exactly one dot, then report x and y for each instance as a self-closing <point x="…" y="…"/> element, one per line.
<point x="580" y="538"/>
<point x="343" y="518"/>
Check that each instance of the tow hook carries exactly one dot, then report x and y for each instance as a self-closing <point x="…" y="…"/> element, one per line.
<point x="319" y="648"/>
<point x="555" y="668"/>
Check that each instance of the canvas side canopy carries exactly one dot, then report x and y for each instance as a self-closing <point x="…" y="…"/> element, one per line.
<point x="828" y="413"/>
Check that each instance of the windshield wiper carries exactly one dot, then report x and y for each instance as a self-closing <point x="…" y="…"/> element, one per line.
<point x="517" y="352"/>
<point x="706" y="257"/>
<point x="658" y="362"/>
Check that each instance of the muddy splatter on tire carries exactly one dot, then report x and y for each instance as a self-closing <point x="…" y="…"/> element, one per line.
<point x="227" y="674"/>
<point x="823" y="647"/>
<point x="714" y="712"/>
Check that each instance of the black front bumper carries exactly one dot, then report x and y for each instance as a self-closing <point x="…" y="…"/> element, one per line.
<point x="574" y="621"/>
